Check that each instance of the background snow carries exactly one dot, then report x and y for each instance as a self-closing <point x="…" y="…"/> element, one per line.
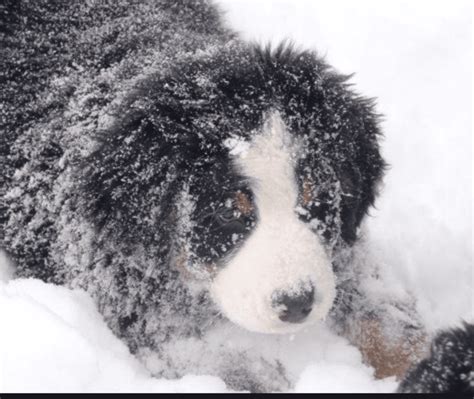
<point x="416" y="58"/>
<point x="56" y="341"/>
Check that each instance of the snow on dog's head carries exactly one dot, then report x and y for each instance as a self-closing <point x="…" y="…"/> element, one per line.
<point x="281" y="276"/>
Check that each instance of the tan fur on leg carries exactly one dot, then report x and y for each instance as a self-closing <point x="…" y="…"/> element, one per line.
<point x="388" y="356"/>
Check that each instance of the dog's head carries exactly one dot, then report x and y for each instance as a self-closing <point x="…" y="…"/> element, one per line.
<point x="250" y="167"/>
<point x="250" y="225"/>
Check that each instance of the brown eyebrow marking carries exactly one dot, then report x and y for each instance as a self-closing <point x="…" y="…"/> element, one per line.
<point x="243" y="203"/>
<point x="307" y="195"/>
<point x="180" y="264"/>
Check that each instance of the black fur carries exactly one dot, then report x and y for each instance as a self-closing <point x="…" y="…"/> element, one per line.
<point x="449" y="367"/>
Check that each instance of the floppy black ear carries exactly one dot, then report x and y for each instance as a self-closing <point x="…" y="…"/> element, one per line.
<point x="121" y="177"/>
<point x="359" y="178"/>
<point x="357" y="160"/>
<point x="129" y="181"/>
<point x="171" y="121"/>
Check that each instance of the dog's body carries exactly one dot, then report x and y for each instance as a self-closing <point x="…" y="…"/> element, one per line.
<point x="185" y="178"/>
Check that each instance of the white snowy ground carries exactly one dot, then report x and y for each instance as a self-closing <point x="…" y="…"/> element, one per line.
<point x="416" y="58"/>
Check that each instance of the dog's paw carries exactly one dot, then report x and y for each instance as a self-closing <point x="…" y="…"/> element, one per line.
<point x="242" y="372"/>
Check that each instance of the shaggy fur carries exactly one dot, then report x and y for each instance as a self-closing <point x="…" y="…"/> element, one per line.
<point x="119" y="175"/>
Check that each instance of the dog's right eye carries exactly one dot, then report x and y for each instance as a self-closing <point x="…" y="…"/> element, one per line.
<point x="226" y="216"/>
<point x="231" y="221"/>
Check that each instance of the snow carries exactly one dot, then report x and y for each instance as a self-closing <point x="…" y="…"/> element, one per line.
<point x="56" y="341"/>
<point x="237" y="146"/>
<point x="415" y="58"/>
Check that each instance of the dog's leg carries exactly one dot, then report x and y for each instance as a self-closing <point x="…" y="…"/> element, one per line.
<point x="383" y="324"/>
<point x="241" y="371"/>
<point x="389" y="339"/>
<point x="389" y="353"/>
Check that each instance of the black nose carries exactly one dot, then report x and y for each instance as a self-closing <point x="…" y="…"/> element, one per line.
<point x="294" y="306"/>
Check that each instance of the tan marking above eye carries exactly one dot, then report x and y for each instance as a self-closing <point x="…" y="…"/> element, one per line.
<point x="209" y="270"/>
<point x="243" y="203"/>
<point x="307" y="194"/>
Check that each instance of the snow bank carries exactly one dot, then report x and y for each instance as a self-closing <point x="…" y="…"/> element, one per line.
<point x="54" y="340"/>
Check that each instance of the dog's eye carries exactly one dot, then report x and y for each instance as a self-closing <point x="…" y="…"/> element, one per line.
<point x="226" y="215"/>
<point x="237" y="208"/>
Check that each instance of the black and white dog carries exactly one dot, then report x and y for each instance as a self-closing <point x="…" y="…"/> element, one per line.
<point x="186" y="179"/>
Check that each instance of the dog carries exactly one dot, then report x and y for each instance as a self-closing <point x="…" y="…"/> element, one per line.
<point x="187" y="179"/>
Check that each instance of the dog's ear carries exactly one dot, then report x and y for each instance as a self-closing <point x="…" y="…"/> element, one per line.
<point x="130" y="179"/>
<point x="142" y="158"/>
<point x="356" y="158"/>
<point x="351" y="202"/>
<point x="359" y="186"/>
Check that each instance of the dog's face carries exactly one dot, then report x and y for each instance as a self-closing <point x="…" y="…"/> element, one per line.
<point x="253" y="226"/>
<point x="243" y="167"/>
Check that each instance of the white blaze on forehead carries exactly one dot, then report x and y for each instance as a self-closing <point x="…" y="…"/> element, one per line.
<point x="282" y="252"/>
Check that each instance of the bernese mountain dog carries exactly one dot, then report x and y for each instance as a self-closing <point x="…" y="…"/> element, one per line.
<point x="188" y="179"/>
